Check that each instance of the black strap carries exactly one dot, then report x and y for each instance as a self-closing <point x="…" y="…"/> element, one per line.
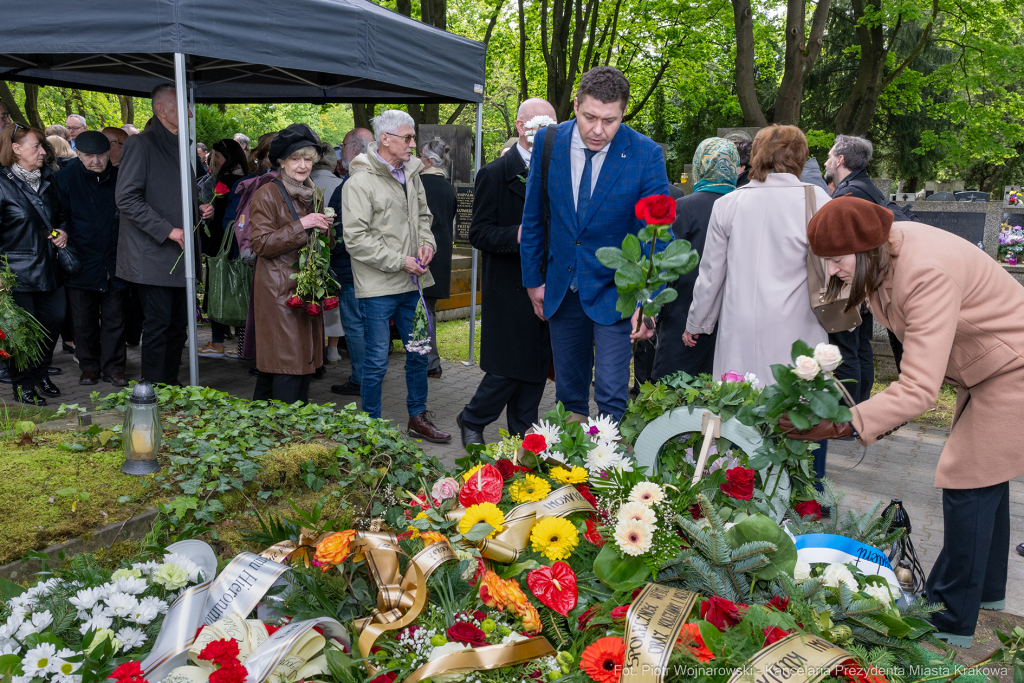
<point x="287" y="199"/>
<point x="545" y="203"/>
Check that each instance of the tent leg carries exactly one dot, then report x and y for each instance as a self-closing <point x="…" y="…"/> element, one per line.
<point x="186" y="215"/>
<point x="478" y="150"/>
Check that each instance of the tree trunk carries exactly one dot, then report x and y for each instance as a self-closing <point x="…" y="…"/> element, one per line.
<point x="361" y="115"/>
<point x="32" y="106"/>
<point x="127" y="109"/>
<point x="76" y="95"/>
<point x="7" y="96"/>
<point x="66" y="99"/>
<point x="524" y="90"/>
<point x="746" y="91"/>
<point x="561" y="56"/>
<point x="222" y="108"/>
<point x="801" y="53"/>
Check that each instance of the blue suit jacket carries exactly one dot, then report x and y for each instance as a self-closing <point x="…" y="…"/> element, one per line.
<point x="633" y="168"/>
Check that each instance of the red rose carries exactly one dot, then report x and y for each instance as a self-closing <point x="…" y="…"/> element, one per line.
<point x="721" y="613"/>
<point x="331" y="302"/>
<point x="385" y="678"/>
<point x="773" y="634"/>
<point x="584" y="619"/>
<point x="619" y="613"/>
<point x="535" y="443"/>
<point x="295" y="302"/>
<point x="479" y="616"/>
<point x="808" y="508"/>
<point x="232" y="673"/>
<point x="585" y="492"/>
<point x="778" y="602"/>
<point x="695" y="512"/>
<point x="593" y="535"/>
<point x="636" y="593"/>
<point x="506" y="468"/>
<point x="739" y="483"/>
<point x="313" y="309"/>
<point x="127" y="670"/>
<point x="467" y="634"/>
<point x="3" y="335"/>
<point x="657" y="209"/>
<point x="220" y="189"/>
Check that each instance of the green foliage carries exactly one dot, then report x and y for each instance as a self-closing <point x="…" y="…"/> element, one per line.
<point x="21" y="335"/>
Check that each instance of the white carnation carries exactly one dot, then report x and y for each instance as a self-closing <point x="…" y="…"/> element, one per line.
<point x="838" y="573"/>
<point x="880" y="593"/>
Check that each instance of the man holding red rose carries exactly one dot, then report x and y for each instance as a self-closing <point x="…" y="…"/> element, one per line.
<point x="599" y="169"/>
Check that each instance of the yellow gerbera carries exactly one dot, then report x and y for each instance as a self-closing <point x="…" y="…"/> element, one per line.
<point x="529" y="489"/>
<point x="488" y="513"/>
<point x="577" y="475"/>
<point x="470" y="473"/>
<point x="554" y="537"/>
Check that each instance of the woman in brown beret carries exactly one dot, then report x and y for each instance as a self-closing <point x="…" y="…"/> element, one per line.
<point x="948" y="302"/>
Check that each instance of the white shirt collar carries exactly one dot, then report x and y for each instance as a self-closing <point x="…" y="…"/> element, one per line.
<point x="524" y="153"/>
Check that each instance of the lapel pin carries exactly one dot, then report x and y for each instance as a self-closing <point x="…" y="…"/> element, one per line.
<point x="623" y="155"/>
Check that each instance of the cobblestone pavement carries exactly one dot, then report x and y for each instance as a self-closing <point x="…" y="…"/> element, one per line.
<point x="900" y="466"/>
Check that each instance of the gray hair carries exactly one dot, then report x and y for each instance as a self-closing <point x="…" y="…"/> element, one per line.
<point x="856" y="152"/>
<point x="389" y="121"/>
<point x="163" y="90"/>
<point x="242" y="139"/>
<point x="438" y="151"/>
<point x="79" y="117"/>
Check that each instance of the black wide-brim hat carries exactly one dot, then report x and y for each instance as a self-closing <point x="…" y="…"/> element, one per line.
<point x="295" y="136"/>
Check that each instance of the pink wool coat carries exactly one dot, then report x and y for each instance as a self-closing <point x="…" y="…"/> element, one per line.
<point x="957" y="312"/>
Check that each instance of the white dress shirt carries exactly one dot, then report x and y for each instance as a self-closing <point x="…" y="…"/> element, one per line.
<point x="577" y="159"/>
<point x="524" y="153"/>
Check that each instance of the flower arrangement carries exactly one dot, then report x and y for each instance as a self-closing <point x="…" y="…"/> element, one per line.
<point x="313" y="277"/>
<point x="1011" y="243"/>
<point x="21" y="335"/>
<point x="1015" y="197"/>
<point x="536" y="123"/>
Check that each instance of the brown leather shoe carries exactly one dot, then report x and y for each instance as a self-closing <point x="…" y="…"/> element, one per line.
<point x="421" y="427"/>
<point x="89" y="377"/>
<point x="117" y="379"/>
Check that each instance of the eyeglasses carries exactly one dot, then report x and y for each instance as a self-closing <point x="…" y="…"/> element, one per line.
<point x="14" y="131"/>
<point x="76" y="127"/>
<point x="405" y="138"/>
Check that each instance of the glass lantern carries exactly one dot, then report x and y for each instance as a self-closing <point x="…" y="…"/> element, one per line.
<point x="142" y="432"/>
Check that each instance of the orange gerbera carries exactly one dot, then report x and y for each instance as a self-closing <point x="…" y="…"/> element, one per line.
<point x="602" y="661"/>
<point x="335" y="548"/>
<point x="530" y="617"/>
<point x="493" y="590"/>
<point x="690" y="638"/>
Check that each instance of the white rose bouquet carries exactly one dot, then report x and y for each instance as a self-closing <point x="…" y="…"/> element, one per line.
<point x="807" y="390"/>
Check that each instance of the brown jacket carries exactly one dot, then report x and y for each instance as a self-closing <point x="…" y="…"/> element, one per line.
<point x="957" y="313"/>
<point x="288" y="340"/>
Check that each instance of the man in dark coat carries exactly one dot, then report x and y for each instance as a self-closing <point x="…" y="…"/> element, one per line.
<point x="152" y="236"/>
<point x="85" y="191"/>
<point x="515" y="349"/>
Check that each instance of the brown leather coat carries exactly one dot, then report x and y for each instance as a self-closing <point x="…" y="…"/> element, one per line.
<point x="288" y="340"/>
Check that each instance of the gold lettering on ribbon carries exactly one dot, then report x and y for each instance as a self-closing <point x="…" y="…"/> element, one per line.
<point x="797" y="658"/>
<point x="653" y="623"/>
<point x="486" y="657"/>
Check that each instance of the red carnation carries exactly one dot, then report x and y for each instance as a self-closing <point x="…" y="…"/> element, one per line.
<point x="220" y="189"/>
<point x="721" y="613"/>
<point x="127" y="670"/>
<point x="535" y="443"/>
<point x="778" y="602"/>
<point x="3" y="335"/>
<point x="479" y="616"/>
<point x="506" y="468"/>
<point x="331" y="302"/>
<point x="313" y="309"/>
<point x="739" y="483"/>
<point x="658" y="209"/>
<point x="4" y="354"/>
<point x="467" y="634"/>
<point x="585" y="492"/>
<point x="385" y="678"/>
<point x="773" y="634"/>
<point x="295" y="302"/>
<point x="808" y="508"/>
<point x="592" y="534"/>
<point x="221" y="652"/>
<point x="619" y="613"/>
<point x="231" y="673"/>
<point x="271" y="629"/>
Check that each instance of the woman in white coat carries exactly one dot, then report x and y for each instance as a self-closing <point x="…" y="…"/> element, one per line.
<point x="752" y="281"/>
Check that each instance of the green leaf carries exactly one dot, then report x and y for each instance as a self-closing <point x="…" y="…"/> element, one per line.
<point x="620" y="573"/>
<point x="711" y="636"/>
<point x="798" y="420"/>
<point x="518" y="568"/>
<point x="760" y="528"/>
<point x="9" y="589"/>
<point x="665" y="296"/>
<point x="629" y="275"/>
<point x="800" y="348"/>
<point x="824" y="404"/>
<point x="631" y="248"/>
<point x="611" y="257"/>
<point x="478" y="532"/>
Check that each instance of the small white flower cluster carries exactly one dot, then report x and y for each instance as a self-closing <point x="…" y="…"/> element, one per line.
<point x="535" y="124"/>
<point x="826" y="359"/>
<point x="606" y="454"/>
<point x="636" y="521"/>
<point x="420" y="346"/>
<point x="838" y="574"/>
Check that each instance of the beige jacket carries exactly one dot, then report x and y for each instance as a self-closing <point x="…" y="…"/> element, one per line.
<point x="957" y="313"/>
<point x="383" y="223"/>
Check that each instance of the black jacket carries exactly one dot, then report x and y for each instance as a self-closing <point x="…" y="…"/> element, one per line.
<point x="24" y="234"/>
<point x="441" y="200"/>
<point x="341" y="262"/>
<point x="693" y="213"/>
<point x="91" y="218"/>
<point x="514" y="342"/>
<point x="852" y="185"/>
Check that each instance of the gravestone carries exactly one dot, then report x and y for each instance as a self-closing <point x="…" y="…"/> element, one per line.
<point x="749" y="130"/>
<point x="972" y="196"/>
<point x="460" y="140"/>
<point x="941" y="196"/>
<point x="463" y="211"/>
<point x="969" y="225"/>
<point x="884" y="185"/>
<point x="903" y="197"/>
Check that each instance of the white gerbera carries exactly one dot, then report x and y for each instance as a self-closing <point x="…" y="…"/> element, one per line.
<point x="639" y="512"/>
<point x="130" y="585"/>
<point x="602" y="457"/>
<point x="86" y="598"/>
<point x="154" y="602"/>
<point x="881" y="593"/>
<point x="602" y="428"/>
<point x="802" y="571"/>
<point x="647" y="492"/>
<point x="838" y="573"/>
<point x="143" y="613"/>
<point x="121" y="605"/>
<point x="550" y="432"/>
<point x="95" y="623"/>
<point x="131" y="637"/>
<point x="40" y="660"/>
<point x="633" y="537"/>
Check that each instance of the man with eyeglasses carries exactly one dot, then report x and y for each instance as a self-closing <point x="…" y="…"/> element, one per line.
<point x="75" y="125"/>
<point x="116" y="136"/>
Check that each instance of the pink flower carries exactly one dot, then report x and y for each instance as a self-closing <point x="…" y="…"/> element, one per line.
<point x="732" y="377"/>
<point x="444" y="489"/>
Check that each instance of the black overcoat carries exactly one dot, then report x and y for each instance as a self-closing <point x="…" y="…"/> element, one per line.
<point x="514" y="342"/>
<point x="91" y="219"/>
<point x="441" y="201"/>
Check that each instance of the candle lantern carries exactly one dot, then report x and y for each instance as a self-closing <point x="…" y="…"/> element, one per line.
<point x="142" y="432"/>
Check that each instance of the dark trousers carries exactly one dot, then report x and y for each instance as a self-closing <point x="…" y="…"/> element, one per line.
<point x="99" y="329"/>
<point x="165" y="331"/>
<point x="132" y="315"/>
<point x="286" y="388"/>
<point x="49" y="308"/>
<point x="858" y="359"/>
<point x="67" y="330"/>
<point x="496" y="393"/>
<point x="972" y="566"/>
<point x="643" y="362"/>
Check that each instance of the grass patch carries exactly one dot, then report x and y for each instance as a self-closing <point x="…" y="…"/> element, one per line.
<point x="11" y="413"/>
<point x="453" y="340"/>
<point x="939" y="415"/>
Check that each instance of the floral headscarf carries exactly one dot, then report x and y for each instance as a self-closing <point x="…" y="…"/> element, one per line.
<point x="714" y="166"/>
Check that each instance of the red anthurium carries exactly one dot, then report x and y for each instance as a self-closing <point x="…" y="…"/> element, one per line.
<point x="554" y="586"/>
<point x="483" y="486"/>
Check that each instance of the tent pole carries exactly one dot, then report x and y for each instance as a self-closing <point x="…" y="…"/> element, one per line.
<point x="478" y="150"/>
<point x="192" y="128"/>
<point x="186" y="215"/>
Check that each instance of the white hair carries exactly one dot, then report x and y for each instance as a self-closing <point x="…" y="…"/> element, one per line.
<point x="79" y="117"/>
<point x="390" y="120"/>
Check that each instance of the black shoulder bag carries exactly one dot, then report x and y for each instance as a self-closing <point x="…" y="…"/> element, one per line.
<point x="545" y="203"/>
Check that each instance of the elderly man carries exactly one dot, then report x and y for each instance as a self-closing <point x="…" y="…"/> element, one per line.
<point x="152" y="236"/>
<point x="116" y="137"/>
<point x="75" y="124"/>
<point x="387" y="232"/>
<point x="85" y="190"/>
<point x="515" y="348"/>
<point x="243" y="140"/>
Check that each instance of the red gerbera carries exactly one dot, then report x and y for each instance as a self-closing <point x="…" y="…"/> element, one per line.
<point x="602" y="661"/>
<point x="690" y="638"/>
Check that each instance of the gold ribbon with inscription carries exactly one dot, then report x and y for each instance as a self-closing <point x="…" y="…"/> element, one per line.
<point x="653" y="623"/>
<point x="304" y="549"/>
<point x="797" y="658"/>
<point x="506" y="546"/>
<point x="483" y="658"/>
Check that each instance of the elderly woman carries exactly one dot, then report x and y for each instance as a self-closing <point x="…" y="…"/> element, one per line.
<point x="29" y="215"/>
<point x="953" y="307"/>
<point x="289" y="342"/>
<point x="436" y="158"/>
<point x="714" y="173"/>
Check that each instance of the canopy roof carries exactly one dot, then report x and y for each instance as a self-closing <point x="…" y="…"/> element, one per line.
<point x="252" y="51"/>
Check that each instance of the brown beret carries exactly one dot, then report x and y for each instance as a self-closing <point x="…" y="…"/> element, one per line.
<point x="848" y="225"/>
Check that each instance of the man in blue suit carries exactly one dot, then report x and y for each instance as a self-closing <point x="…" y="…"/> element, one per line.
<point x="599" y="169"/>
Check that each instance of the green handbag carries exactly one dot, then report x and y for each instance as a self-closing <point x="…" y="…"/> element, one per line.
<point x="227" y="286"/>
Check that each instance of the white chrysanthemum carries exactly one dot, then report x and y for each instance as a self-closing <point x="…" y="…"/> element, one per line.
<point x="601" y="457"/>
<point x="752" y="379"/>
<point x="95" y="623"/>
<point x="23" y="601"/>
<point x="146" y="567"/>
<point x="647" y="492"/>
<point x="121" y="605"/>
<point x="21" y="679"/>
<point x="633" y="537"/>
<point x="86" y="598"/>
<point x="142" y="613"/>
<point x="550" y="432"/>
<point x="40" y="660"/>
<point x="552" y="455"/>
<point x="41" y="589"/>
<point x="637" y="511"/>
<point x="622" y="463"/>
<point x="10" y="647"/>
<point x="40" y="620"/>
<point x="130" y="585"/>
<point x="188" y="565"/>
<point x="134" y="573"/>
<point x="837" y="573"/>
<point x="131" y="637"/>
<point x="154" y="602"/>
<point x="880" y="593"/>
<point x="802" y="571"/>
<point x="602" y="428"/>
<point x="65" y="669"/>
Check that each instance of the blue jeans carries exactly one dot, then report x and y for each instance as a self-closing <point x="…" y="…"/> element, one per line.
<point x="376" y="312"/>
<point x="355" y="334"/>
<point x="574" y="339"/>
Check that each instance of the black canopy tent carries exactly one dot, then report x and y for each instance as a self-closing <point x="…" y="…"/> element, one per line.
<point x="314" y="51"/>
